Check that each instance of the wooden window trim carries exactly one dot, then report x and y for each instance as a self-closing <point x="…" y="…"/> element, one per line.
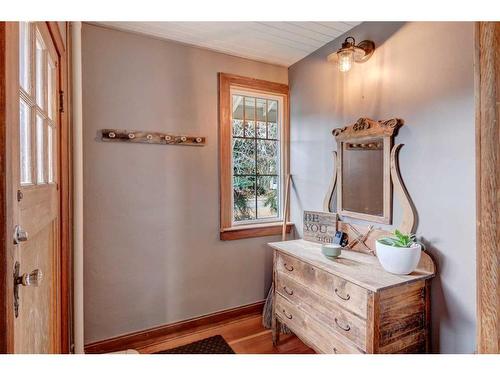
<point x="226" y="82"/>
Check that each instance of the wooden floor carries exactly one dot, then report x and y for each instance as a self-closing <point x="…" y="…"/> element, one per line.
<point x="245" y="335"/>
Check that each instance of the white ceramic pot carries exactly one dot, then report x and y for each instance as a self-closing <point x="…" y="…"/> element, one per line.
<point x="398" y="260"/>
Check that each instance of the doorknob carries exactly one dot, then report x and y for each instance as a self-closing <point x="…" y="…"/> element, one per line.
<point x="20" y="235"/>
<point x="34" y="278"/>
<point x="27" y="279"/>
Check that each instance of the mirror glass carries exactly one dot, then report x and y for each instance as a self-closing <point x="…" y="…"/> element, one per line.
<point x="363" y="176"/>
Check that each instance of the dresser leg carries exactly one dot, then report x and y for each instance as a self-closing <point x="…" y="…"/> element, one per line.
<point x="428" y="321"/>
<point x="276" y="328"/>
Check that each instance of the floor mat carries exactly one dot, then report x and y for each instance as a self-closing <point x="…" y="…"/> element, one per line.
<point x="210" y="345"/>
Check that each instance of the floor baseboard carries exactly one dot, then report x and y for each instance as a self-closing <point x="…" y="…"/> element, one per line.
<point x="137" y="339"/>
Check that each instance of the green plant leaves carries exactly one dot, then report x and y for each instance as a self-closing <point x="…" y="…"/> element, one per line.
<point x="399" y="240"/>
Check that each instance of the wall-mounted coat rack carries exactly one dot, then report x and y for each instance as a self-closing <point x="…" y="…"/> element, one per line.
<point x="139" y="136"/>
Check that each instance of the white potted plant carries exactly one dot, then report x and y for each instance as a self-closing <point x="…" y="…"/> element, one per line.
<point x="399" y="254"/>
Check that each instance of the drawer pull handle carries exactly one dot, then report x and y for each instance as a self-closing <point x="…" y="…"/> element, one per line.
<point x="286" y="267"/>
<point x="289" y="316"/>
<point x="346" y="328"/>
<point x="346" y="298"/>
<point x="290" y="293"/>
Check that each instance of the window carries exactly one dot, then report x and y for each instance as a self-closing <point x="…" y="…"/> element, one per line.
<point x="253" y="156"/>
<point x="37" y="106"/>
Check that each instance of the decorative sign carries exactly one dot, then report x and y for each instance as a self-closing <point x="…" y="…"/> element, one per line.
<point x="320" y="226"/>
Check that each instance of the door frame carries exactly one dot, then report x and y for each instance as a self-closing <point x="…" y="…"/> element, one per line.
<point x="9" y="92"/>
<point x="487" y="97"/>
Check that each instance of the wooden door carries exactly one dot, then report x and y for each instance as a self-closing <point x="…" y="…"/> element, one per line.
<point x="36" y="206"/>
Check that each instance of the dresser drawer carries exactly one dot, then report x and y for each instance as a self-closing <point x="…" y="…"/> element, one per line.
<point x="346" y="294"/>
<point x="313" y="333"/>
<point x="324" y="311"/>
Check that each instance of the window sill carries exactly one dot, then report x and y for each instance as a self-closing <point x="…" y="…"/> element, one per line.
<point x="252" y="231"/>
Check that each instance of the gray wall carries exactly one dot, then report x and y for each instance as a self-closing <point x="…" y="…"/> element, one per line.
<point x="151" y="248"/>
<point x="423" y="73"/>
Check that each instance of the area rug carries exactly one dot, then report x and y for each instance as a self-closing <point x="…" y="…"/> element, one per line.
<point x="211" y="345"/>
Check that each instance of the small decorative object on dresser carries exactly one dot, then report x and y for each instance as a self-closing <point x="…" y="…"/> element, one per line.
<point x="319" y="226"/>
<point x="331" y="250"/>
<point x="399" y="254"/>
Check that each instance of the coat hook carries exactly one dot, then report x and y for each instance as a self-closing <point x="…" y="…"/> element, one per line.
<point x="168" y="138"/>
<point x="131" y="135"/>
<point x="111" y="135"/>
<point x="198" y="140"/>
<point x="183" y="139"/>
<point x="149" y="137"/>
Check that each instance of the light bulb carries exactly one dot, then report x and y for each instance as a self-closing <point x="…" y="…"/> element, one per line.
<point x="346" y="58"/>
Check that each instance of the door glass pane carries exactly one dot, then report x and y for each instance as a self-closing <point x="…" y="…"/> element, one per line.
<point x="40" y="72"/>
<point x="24" y="56"/>
<point x="24" y="142"/>
<point x="50" y="153"/>
<point x="40" y="152"/>
<point x="51" y="87"/>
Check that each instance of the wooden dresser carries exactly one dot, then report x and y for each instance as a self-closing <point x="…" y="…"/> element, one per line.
<point x="349" y="305"/>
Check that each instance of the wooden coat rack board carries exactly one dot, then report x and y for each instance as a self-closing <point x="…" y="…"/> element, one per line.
<point x="139" y="136"/>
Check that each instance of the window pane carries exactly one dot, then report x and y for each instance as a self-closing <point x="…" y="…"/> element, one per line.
<point x="250" y="129"/>
<point x="261" y="109"/>
<point x="40" y="69"/>
<point x="24" y="56"/>
<point x="272" y="130"/>
<point x="243" y="156"/>
<point x="244" y="198"/>
<point x="51" y="87"/>
<point x="267" y="157"/>
<point x="25" y="142"/>
<point x="249" y="108"/>
<point x="272" y="111"/>
<point x="238" y="107"/>
<point x="237" y="128"/>
<point x="267" y="197"/>
<point x="50" y="154"/>
<point x="40" y="152"/>
<point x="261" y="130"/>
<point x="249" y="117"/>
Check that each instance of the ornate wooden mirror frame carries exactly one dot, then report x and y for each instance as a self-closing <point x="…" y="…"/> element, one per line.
<point x="368" y="134"/>
<point x="363" y="130"/>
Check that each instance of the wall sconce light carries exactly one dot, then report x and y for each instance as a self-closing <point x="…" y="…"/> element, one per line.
<point x="350" y="53"/>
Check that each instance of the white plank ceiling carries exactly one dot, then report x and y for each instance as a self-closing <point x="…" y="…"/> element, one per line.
<point x="281" y="43"/>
